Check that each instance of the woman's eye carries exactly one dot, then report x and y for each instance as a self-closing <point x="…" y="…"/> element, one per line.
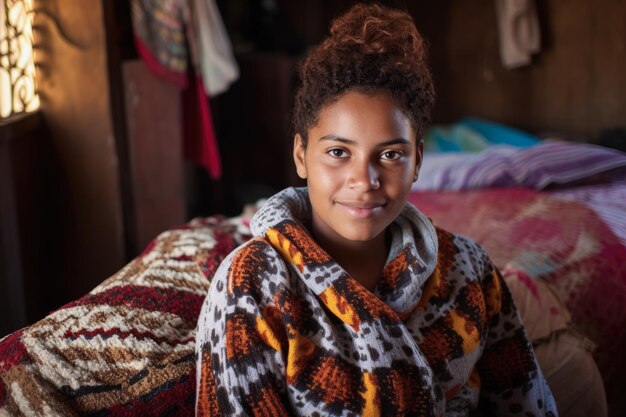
<point x="391" y="155"/>
<point x="337" y="153"/>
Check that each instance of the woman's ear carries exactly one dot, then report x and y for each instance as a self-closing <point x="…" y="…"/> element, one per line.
<point x="419" y="155"/>
<point x="298" y="156"/>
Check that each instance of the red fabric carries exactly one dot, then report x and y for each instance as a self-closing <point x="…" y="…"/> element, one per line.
<point x="126" y="348"/>
<point x="166" y="300"/>
<point x="199" y="140"/>
<point x="562" y="242"/>
<point x="12" y="352"/>
<point x="161" y="71"/>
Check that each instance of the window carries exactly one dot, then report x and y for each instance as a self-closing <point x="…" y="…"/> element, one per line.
<point x="18" y="86"/>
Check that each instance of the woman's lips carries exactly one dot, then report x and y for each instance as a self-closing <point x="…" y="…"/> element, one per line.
<point x="361" y="210"/>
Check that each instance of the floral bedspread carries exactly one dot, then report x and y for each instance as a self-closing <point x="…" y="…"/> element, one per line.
<point x="563" y="241"/>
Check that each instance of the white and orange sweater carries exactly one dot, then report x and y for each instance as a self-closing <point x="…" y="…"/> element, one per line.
<point x="285" y="331"/>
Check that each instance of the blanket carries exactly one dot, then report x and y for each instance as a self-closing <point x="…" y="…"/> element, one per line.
<point x="127" y="347"/>
<point x="561" y="241"/>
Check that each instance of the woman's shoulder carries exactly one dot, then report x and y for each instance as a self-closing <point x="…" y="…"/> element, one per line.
<point x="462" y="251"/>
<point x="253" y="268"/>
<point x="462" y="242"/>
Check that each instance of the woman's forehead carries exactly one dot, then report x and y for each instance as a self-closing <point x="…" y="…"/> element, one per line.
<point x="356" y="116"/>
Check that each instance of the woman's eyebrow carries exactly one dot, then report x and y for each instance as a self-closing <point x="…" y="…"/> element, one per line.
<point x="397" y="141"/>
<point x="335" y="138"/>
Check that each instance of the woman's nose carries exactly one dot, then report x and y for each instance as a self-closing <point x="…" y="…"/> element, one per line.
<point x="364" y="176"/>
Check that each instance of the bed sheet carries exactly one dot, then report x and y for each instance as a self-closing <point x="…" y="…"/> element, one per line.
<point x="573" y="239"/>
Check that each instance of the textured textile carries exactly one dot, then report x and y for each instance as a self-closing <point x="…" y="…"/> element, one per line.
<point x="170" y="35"/>
<point x="285" y="331"/>
<point x="548" y="163"/>
<point x="518" y="30"/>
<point x="471" y="134"/>
<point x="564" y="243"/>
<point x="215" y="56"/>
<point x="608" y="201"/>
<point x="564" y="354"/>
<point x="160" y="32"/>
<point x="126" y="348"/>
<point x="570" y="368"/>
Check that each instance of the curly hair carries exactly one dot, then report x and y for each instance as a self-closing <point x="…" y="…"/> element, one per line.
<point x="371" y="48"/>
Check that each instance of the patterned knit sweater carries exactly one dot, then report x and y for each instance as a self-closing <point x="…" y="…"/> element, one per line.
<point x="285" y="331"/>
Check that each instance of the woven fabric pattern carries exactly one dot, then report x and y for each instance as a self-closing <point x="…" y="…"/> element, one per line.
<point x="127" y="347"/>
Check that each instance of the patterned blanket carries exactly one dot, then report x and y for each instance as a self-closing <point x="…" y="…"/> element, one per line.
<point x="560" y="241"/>
<point x="127" y="347"/>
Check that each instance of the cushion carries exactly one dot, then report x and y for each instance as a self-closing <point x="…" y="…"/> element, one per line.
<point x="548" y="164"/>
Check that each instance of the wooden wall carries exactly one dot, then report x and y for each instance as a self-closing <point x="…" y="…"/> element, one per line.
<point x="155" y="154"/>
<point x="97" y="173"/>
<point x="29" y="250"/>
<point x="74" y="87"/>
<point x="576" y="84"/>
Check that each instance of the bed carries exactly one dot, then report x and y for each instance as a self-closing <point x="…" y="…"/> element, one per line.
<point x="127" y="347"/>
<point x="554" y="214"/>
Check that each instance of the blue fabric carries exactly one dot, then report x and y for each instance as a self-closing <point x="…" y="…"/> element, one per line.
<point x="499" y="134"/>
<point x="474" y="135"/>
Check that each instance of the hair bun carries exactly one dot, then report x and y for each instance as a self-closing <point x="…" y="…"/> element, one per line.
<point x="370" y="48"/>
<point x="374" y="29"/>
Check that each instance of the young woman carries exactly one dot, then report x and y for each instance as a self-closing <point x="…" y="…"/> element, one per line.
<point x="348" y="301"/>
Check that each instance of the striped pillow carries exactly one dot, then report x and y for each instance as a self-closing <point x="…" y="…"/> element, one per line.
<point x="548" y="163"/>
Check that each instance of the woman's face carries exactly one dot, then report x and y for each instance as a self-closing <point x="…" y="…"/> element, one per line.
<point x="360" y="161"/>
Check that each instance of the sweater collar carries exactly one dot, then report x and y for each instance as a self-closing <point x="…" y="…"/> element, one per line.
<point x="411" y="260"/>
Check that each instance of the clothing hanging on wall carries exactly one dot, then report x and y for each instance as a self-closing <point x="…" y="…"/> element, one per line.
<point x="215" y="55"/>
<point x="518" y="29"/>
<point x="184" y="42"/>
